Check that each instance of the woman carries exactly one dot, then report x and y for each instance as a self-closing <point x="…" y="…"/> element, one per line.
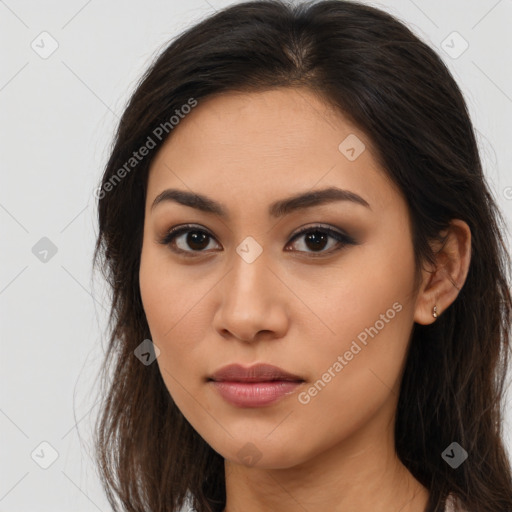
<point x="310" y="304"/>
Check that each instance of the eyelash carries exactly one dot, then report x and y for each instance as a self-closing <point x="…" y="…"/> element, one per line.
<point x="341" y="238"/>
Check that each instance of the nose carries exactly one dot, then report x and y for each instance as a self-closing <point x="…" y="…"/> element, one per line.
<point x="253" y="302"/>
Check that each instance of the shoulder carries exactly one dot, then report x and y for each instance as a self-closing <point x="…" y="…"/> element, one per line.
<point x="453" y="504"/>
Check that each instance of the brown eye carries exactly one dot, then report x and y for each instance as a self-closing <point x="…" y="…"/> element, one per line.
<point x="316" y="239"/>
<point x="196" y="240"/>
<point x="187" y="239"/>
<point x="190" y="240"/>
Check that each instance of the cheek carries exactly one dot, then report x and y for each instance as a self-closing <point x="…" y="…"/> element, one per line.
<point x="369" y="346"/>
<point x="163" y="313"/>
<point x="171" y="301"/>
<point x="167" y="294"/>
<point x="371" y="313"/>
<point x="355" y="376"/>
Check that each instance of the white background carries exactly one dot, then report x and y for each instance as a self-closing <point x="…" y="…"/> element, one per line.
<point x="58" y="117"/>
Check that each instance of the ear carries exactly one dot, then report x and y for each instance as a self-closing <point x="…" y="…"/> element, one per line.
<point x="442" y="283"/>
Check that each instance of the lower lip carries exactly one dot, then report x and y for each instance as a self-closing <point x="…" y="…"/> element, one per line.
<point x="254" y="394"/>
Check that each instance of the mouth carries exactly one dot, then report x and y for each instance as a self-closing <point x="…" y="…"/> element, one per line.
<point x="256" y="386"/>
<point x="255" y="373"/>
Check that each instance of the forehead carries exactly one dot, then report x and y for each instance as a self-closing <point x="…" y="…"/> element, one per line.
<point x="272" y="123"/>
<point x="264" y="145"/>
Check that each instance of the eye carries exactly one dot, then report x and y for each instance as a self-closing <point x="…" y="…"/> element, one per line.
<point x="317" y="238"/>
<point x="181" y="237"/>
<point x="195" y="238"/>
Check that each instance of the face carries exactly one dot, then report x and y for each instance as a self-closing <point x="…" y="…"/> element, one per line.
<point x="321" y="287"/>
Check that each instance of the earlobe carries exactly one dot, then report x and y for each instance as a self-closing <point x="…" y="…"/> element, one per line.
<point x="442" y="284"/>
<point x="427" y="311"/>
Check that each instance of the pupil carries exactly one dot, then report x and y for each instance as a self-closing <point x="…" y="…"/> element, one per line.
<point x="195" y="238"/>
<point x="316" y="237"/>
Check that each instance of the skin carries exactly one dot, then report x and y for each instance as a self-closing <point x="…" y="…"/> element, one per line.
<point x="288" y="307"/>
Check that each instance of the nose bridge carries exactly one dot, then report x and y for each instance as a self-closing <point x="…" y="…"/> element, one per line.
<point x="250" y="275"/>
<point x="249" y="302"/>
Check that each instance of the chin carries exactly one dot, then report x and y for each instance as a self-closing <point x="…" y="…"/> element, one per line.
<point x="262" y="454"/>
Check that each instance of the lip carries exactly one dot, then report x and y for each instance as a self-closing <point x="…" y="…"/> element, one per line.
<point x="255" y="386"/>
<point x="257" y="373"/>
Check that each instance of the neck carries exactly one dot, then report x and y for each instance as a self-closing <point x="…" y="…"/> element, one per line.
<point x="362" y="474"/>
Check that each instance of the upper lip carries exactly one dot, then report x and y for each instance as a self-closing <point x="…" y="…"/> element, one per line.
<point x="256" y="373"/>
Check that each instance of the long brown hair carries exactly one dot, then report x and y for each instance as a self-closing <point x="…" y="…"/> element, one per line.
<point x="397" y="90"/>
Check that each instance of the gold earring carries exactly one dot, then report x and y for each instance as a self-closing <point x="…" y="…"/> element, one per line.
<point x="434" y="313"/>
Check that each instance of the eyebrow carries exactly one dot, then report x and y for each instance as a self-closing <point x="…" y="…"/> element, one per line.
<point x="277" y="209"/>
